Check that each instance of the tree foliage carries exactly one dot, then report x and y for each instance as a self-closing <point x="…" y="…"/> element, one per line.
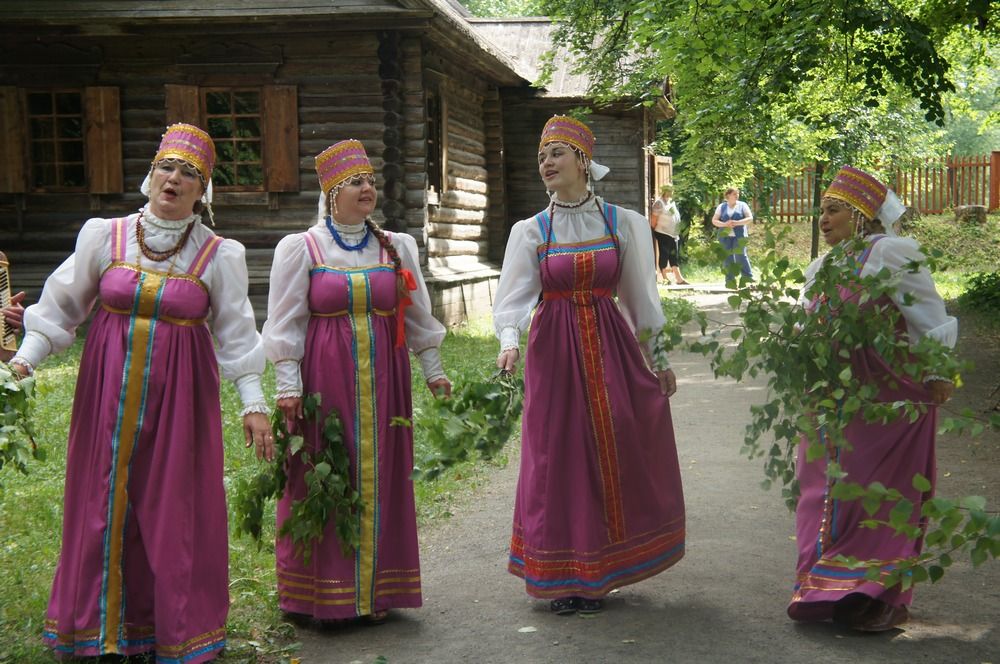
<point x="17" y="443"/>
<point x="329" y="496"/>
<point x="806" y="358"/>
<point x="765" y="86"/>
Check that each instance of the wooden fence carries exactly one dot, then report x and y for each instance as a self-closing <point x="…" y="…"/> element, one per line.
<point x="933" y="187"/>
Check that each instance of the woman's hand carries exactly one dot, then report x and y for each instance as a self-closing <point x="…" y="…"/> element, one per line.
<point x="291" y="408"/>
<point x="19" y="370"/>
<point x="940" y="390"/>
<point x="13" y="313"/>
<point x="257" y="431"/>
<point x="668" y="382"/>
<point x="507" y="360"/>
<point x="440" y="387"/>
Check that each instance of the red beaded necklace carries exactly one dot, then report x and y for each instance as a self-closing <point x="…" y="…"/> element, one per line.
<point x="157" y="256"/>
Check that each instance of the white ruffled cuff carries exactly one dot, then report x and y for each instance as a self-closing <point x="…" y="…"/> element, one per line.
<point x="251" y="391"/>
<point x="287" y="377"/>
<point x="510" y="338"/>
<point x="256" y="407"/>
<point x="289" y="394"/>
<point x="431" y="365"/>
<point x="34" y="348"/>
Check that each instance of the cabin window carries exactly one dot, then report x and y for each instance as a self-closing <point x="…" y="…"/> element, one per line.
<point x="255" y="130"/>
<point x="437" y="142"/>
<point x="56" y="153"/>
<point x="233" y="119"/>
<point x="60" y="140"/>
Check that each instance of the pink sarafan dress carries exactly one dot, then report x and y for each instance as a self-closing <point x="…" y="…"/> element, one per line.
<point x="599" y="503"/>
<point x="352" y="360"/>
<point x="144" y="559"/>
<point x="888" y="453"/>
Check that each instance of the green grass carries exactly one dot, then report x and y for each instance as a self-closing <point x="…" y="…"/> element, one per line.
<point x="31" y="510"/>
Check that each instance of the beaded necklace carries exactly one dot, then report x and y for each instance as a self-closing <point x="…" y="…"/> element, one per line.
<point x="573" y="204"/>
<point x="340" y="241"/>
<point x="158" y="256"/>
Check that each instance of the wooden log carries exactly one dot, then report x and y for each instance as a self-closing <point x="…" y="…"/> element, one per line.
<point x="451" y="215"/>
<point x="415" y="198"/>
<point x="439" y="247"/>
<point x="464" y="200"/>
<point x="456" y="231"/>
<point x="464" y="157"/>
<point x="471" y="185"/>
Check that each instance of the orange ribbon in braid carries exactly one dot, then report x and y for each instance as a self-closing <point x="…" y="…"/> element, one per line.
<point x="407" y="283"/>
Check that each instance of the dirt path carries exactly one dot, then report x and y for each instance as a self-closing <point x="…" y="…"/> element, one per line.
<point x="725" y="602"/>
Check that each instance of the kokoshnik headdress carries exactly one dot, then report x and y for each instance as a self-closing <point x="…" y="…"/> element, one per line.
<point x="572" y="132"/>
<point x="338" y="164"/>
<point x="866" y="194"/>
<point x="193" y="146"/>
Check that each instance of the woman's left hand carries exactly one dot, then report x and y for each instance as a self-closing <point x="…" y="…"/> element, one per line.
<point x="440" y="387"/>
<point x="668" y="382"/>
<point x="13" y="313"/>
<point x="257" y="431"/>
<point x="940" y="390"/>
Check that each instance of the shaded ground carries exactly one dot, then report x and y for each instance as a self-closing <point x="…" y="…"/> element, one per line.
<point x="724" y="602"/>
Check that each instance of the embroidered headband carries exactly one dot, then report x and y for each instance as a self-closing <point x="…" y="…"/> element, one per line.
<point x="867" y="195"/>
<point x="341" y="161"/>
<point x="564" y="129"/>
<point x="190" y="144"/>
<point x="859" y="190"/>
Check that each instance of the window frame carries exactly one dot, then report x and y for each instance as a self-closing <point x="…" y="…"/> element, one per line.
<point x="56" y="162"/>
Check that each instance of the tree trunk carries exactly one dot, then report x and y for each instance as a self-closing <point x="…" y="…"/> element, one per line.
<point x="817" y="199"/>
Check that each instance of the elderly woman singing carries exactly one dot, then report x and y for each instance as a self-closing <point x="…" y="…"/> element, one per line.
<point x="144" y="560"/>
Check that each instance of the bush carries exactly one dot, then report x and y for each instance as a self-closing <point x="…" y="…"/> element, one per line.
<point x="982" y="293"/>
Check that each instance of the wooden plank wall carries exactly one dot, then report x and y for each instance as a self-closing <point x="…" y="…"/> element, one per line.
<point x="457" y="230"/>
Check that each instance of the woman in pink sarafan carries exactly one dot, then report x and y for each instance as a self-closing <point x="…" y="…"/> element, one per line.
<point x="347" y="305"/>
<point x="599" y="502"/>
<point x="858" y="205"/>
<point x="144" y="560"/>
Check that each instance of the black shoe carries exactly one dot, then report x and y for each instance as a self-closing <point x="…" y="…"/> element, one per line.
<point x="564" y="606"/>
<point x="589" y="606"/>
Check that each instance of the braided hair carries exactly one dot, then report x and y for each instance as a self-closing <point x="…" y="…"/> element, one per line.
<point x="384" y="242"/>
<point x="397" y="262"/>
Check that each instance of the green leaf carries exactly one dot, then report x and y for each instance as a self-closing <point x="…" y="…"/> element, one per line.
<point x="921" y="483"/>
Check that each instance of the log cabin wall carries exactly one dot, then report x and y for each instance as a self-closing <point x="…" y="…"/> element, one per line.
<point x="460" y="187"/>
<point x="336" y="86"/>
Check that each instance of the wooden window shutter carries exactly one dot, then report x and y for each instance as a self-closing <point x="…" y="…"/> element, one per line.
<point x="103" y="138"/>
<point x="183" y="104"/>
<point x="13" y="176"/>
<point x="280" y="116"/>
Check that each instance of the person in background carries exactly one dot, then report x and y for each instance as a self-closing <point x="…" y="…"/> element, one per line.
<point x="857" y="205"/>
<point x="599" y="502"/>
<point x="347" y="304"/>
<point x="733" y="218"/>
<point x="665" y="219"/>
<point x="144" y="565"/>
